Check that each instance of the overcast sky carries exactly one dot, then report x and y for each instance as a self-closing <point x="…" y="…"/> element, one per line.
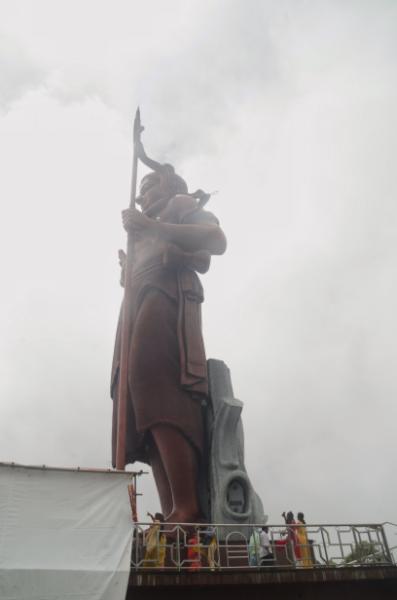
<point x="289" y="109"/>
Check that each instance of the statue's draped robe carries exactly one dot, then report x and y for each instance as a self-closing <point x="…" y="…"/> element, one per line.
<point x="167" y="372"/>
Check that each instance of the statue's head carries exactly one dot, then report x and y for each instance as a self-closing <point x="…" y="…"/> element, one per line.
<point x="161" y="184"/>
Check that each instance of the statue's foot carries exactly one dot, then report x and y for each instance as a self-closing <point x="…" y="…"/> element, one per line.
<point x="183" y="516"/>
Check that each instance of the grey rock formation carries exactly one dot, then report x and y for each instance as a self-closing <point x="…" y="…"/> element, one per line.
<point x="232" y="497"/>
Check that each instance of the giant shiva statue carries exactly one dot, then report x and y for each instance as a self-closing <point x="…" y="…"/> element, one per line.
<point x="173" y="239"/>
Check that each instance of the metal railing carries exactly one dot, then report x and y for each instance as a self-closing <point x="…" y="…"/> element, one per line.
<point x="220" y="547"/>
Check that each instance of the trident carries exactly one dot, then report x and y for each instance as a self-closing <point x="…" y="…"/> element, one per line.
<point x="126" y="313"/>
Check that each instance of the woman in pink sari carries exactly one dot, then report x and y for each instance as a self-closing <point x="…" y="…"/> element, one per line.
<point x="291" y="542"/>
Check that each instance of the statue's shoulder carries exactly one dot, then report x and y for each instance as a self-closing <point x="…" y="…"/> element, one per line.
<point x="186" y="209"/>
<point x="180" y="206"/>
<point x="183" y="202"/>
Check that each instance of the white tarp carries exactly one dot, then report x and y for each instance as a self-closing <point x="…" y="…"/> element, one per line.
<point x="64" y="534"/>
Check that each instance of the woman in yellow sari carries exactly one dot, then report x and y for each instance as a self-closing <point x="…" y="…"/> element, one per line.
<point x="303" y="542"/>
<point x="155" y="543"/>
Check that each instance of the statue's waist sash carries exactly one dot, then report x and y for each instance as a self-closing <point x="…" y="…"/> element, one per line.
<point x="192" y="353"/>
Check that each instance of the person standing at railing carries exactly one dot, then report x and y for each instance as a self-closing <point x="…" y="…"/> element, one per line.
<point x="209" y="542"/>
<point x="259" y="548"/>
<point x="292" y="537"/>
<point x="194" y="551"/>
<point x="254" y="548"/>
<point x="265" y="550"/>
<point x="155" y="543"/>
<point x="303" y="542"/>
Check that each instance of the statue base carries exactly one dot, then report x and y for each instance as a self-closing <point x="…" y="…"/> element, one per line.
<point x="232" y="498"/>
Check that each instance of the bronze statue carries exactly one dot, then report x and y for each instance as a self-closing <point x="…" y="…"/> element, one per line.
<point x="173" y="239"/>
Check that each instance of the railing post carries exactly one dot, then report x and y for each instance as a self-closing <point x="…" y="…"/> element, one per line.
<point x="178" y="549"/>
<point x="218" y="548"/>
<point x="388" y="554"/>
<point x="325" y="545"/>
<point x="356" y="542"/>
<point x="136" y="543"/>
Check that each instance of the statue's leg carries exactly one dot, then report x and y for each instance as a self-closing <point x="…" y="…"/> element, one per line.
<point x="180" y="463"/>
<point x="161" y="479"/>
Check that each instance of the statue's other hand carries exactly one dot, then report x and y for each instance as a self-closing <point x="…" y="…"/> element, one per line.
<point x="201" y="261"/>
<point x="122" y="258"/>
<point x="136" y="222"/>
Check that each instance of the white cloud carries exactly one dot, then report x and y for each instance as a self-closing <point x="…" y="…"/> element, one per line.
<point x="19" y="73"/>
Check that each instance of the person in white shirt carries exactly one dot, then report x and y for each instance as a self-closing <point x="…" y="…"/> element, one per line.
<point x="265" y="550"/>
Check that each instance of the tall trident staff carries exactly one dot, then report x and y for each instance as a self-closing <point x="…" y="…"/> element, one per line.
<point x="126" y="315"/>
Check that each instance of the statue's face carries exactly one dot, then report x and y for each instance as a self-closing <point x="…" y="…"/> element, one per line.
<point x="150" y="191"/>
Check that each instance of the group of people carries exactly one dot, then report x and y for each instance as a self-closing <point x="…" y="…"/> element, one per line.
<point x="201" y="545"/>
<point x="294" y="546"/>
<point x="297" y="540"/>
<point x="260" y="548"/>
<point x="202" y="549"/>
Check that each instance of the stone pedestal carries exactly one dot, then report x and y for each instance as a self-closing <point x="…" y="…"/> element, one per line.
<point x="232" y="496"/>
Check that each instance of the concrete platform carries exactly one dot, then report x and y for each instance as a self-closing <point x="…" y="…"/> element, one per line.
<point x="352" y="583"/>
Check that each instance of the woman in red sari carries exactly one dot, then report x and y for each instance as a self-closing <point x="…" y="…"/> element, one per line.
<point x="194" y="551"/>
